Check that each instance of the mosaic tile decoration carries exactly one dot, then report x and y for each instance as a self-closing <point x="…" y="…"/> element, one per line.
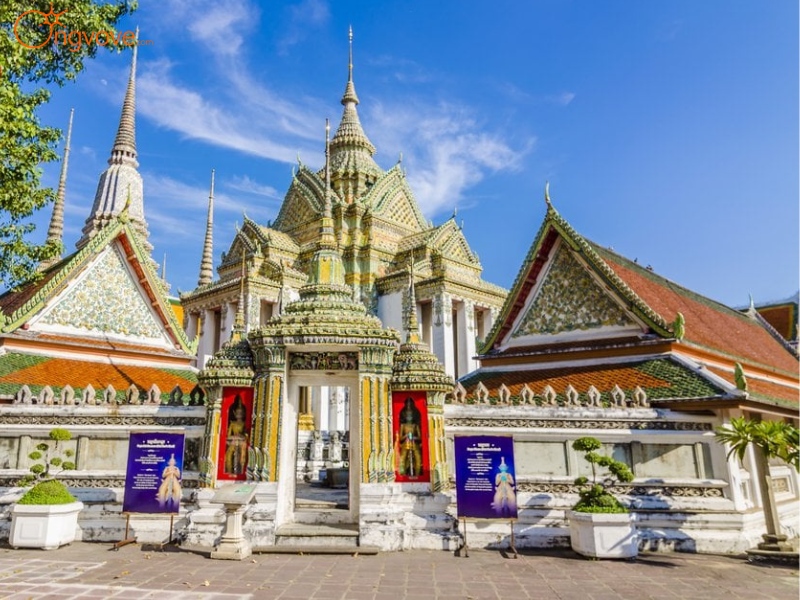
<point x="568" y="300"/>
<point x="106" y="300"/>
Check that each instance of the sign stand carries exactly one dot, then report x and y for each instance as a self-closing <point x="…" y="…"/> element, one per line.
<point x="465" y="547"/>
<point x="513" y="545"/>
<point x="126" y="540"/>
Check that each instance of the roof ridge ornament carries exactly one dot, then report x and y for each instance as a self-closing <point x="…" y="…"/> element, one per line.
<point x="547" y="194"/>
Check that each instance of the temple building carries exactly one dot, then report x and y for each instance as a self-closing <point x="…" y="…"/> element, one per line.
<point x="378" y="228"/>
<point x="591" y="343"/>
<point x="344" y="349"/>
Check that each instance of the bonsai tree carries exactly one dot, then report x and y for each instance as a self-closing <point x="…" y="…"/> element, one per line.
<point x="50" y="459"/>
<point x="770" y="439"/>
<point x="594" y="494"/>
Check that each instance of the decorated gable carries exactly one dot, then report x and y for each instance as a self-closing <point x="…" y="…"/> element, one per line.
<point x="393" y="200"/>
<point x="567" y="302"/>
<point x="105" y="300"/>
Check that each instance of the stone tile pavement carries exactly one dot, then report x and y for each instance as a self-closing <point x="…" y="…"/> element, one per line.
<point x="94" y="570"/>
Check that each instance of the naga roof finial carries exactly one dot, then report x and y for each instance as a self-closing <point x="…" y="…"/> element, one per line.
<point x="547" y="193"/>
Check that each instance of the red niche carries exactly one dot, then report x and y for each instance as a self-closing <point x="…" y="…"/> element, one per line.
<point x="235" y="424"/>
<point x="410" y="436"/>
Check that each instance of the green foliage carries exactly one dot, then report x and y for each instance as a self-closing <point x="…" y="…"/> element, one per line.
<point x="48" y="493"/>
<point x="594" y="494"/>
<point x="25" y="142"/>
<point x="50" y="454"/>
<point x="777" y="439"/>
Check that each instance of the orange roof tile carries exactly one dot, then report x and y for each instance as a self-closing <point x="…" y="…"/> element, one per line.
<point x="708" y="323"/>
<point x="660" y="378"/>
<point x="58" y="372"/>
<point x="760" y="387"/>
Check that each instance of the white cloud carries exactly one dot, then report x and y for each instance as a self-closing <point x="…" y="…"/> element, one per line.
<point x="240" y="122"/>
<point x="249" y="186"/>
<point x="444" y="150"/>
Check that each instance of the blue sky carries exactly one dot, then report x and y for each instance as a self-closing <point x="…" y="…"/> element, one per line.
<point x="667" y="130"/>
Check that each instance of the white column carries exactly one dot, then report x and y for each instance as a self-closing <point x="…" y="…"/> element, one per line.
<point x="442" y="339"/>
<point x="227" y="317"/>
<point x="205" y="348"/>
<point x="465" y="313"/>
<point x="321" y="407"/>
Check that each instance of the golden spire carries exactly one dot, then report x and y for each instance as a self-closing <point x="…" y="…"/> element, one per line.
<point x="207" y="261"/>
<point x="55" y="232"/>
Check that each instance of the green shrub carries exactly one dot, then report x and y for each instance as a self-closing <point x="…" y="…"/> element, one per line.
<point x="594" y="494"/>
<point x="50" y="459"/>
<point x="48" y="493"/>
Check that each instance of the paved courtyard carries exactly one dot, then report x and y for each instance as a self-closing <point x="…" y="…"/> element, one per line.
<point x="84" y="570"/>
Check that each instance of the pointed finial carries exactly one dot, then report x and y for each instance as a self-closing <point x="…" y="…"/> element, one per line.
<point x="400" y="158"/>
<point x="752" y="303"/>
<point x="547" y="193"/>
<point x="207" y="260"/>
<point x="124" y="149"/>
<point x="455" y="213"/>
<point x="327" y="168"/>
<point x="164" y="268"/>
<point x="350" y="62"/>
<point x="412" y="325"/>
<point x="55" y="232"/>
<point x="350" y="88"/>
<point x="238" y="321"/>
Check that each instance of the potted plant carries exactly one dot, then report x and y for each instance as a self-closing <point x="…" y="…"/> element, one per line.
<point x="600" y="525"/>
<point x="47" y="514"/>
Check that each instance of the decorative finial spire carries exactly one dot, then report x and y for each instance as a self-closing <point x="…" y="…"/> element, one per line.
<point x="350" y="89"/>
<point x="237" y="331"/>
<point x="350" y="62"/>
<point x="752" y="306"/>
<point x="124" y="149"/>
<point x="164" y="269"/>
<point x="55" y="232"/>
<point x="328" y="168"/>
<point x="207" y="261"/>
<point x="547" y="193"/>
<point x="121" y="177"/>
<point x="412" y="325"/>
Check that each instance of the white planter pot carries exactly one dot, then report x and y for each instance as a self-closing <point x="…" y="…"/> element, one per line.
<point x="601" y="535"/>
<point x="48" y="527"/>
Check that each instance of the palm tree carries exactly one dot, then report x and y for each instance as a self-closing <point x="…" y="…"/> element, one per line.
<point x="770" y="439"/>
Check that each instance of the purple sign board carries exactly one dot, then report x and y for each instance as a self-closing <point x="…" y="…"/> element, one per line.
<point x="155" y="470"/>
<point x="485" y="477"/>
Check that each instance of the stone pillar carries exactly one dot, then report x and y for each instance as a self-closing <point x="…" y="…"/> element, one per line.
<point x="442" y="341"/>
<point x="205" y="348"/>
<point x="376" y="417"/>
<point x="227" y="317"/>
<point x="466" y="337"/>
<point x="210" y="451"/>
<point x="440" y="479"/>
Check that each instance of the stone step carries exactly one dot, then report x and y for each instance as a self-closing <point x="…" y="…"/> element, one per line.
<point x="312" y="536"/>
<point x="300" y="549"/>
<point x="321" y="516"/>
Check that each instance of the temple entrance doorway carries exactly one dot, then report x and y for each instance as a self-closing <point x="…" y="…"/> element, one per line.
<point x="318" y="474"/>
<point x="323" y="448"/>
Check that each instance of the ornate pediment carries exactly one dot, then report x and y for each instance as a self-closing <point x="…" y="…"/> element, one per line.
<point x="303" y="202"/>
<point x="392" y="199"/>
<point x="570" y="299"/>
<point x="105" y="300"/>
<point x="451" y="244"/>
